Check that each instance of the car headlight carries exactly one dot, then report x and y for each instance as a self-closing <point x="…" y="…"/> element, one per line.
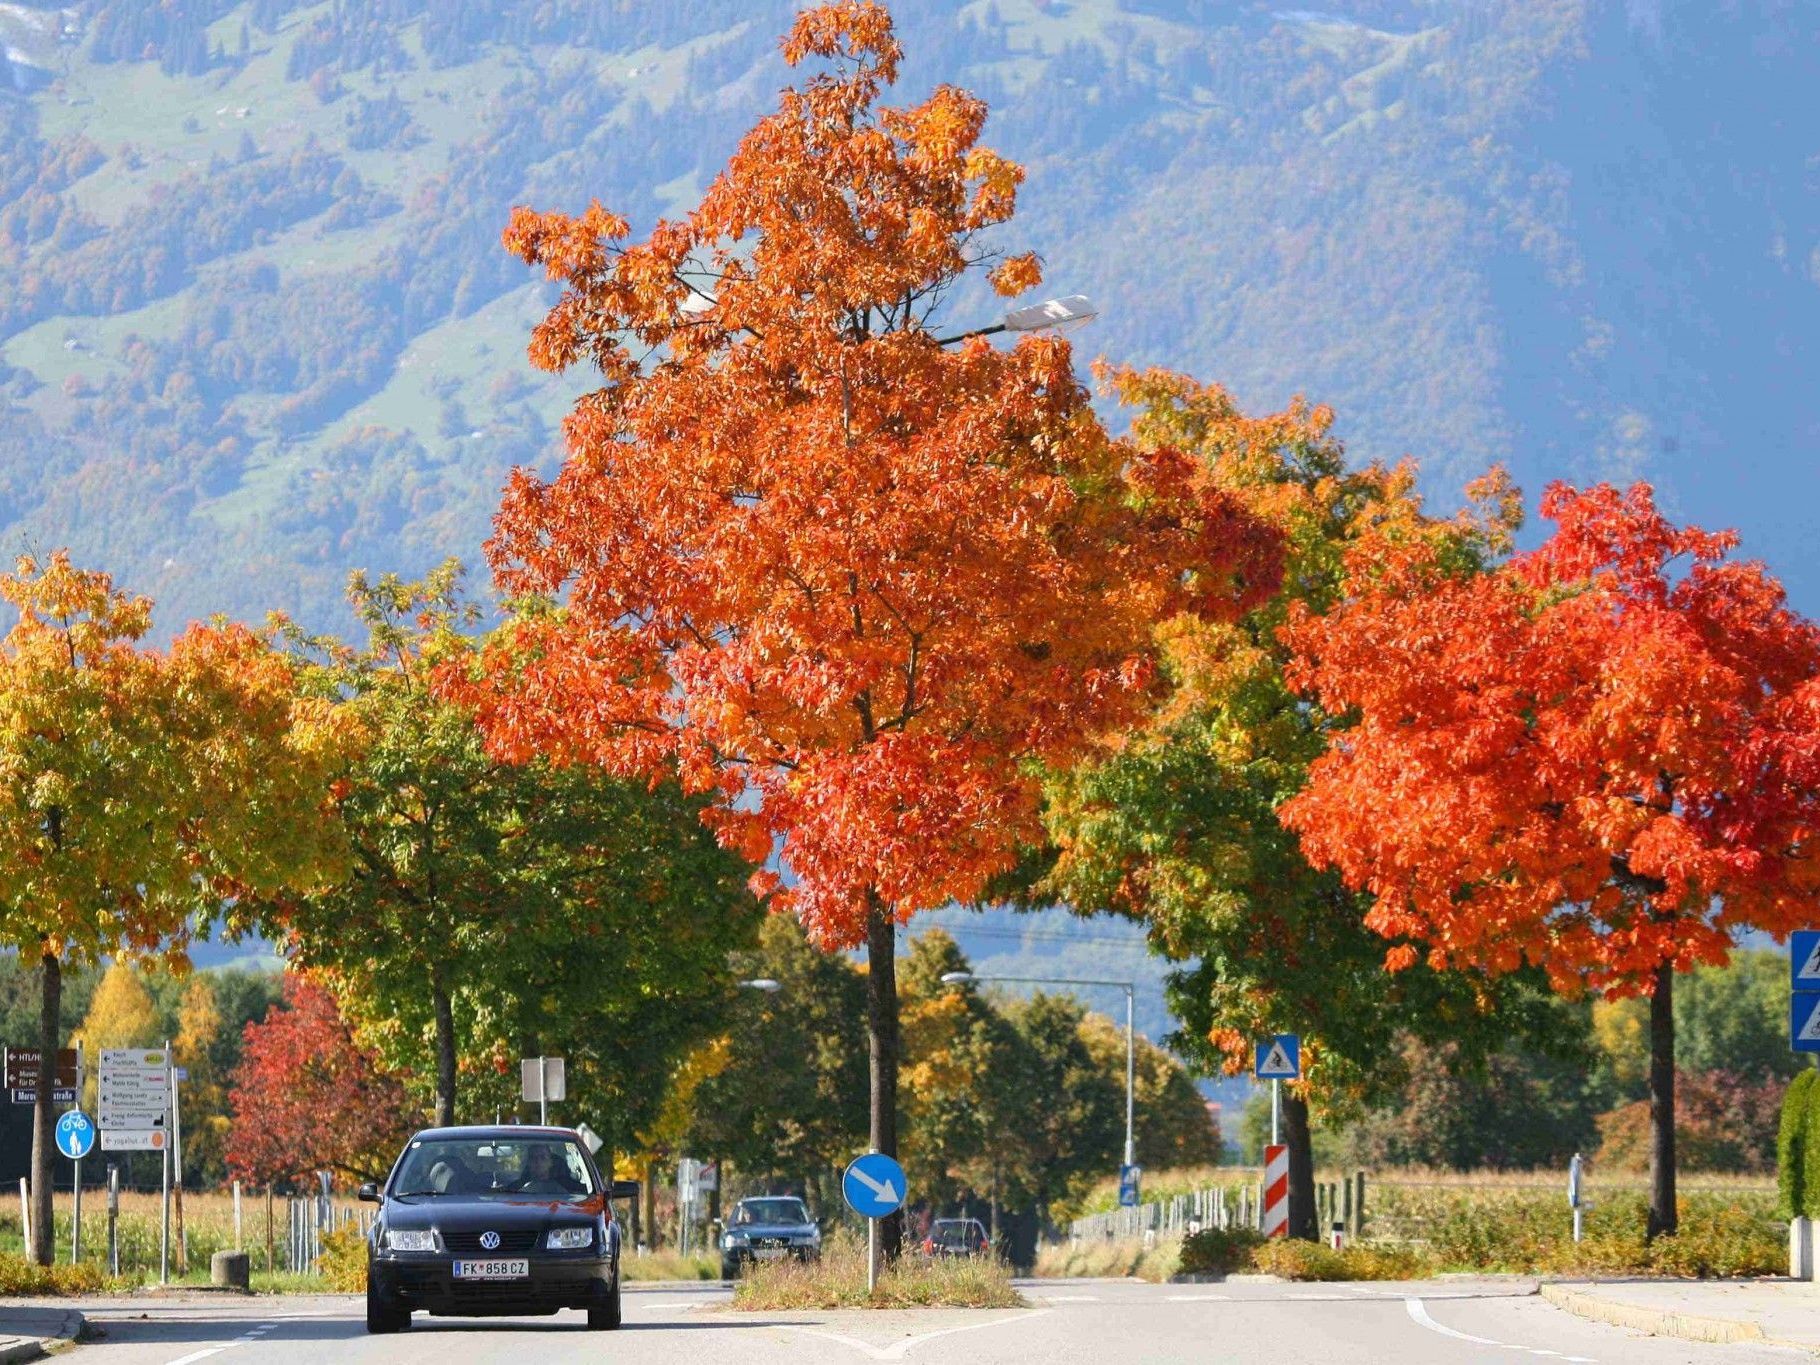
<point x="569" y="1239"/>
<point x="733" y="1239"/>
<point x="411" y="1239"/>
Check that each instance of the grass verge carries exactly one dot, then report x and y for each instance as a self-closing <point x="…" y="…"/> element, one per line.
<point x="838" y="1280"/>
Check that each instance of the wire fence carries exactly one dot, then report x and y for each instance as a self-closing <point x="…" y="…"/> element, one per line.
<point x="1231" y="1205"/>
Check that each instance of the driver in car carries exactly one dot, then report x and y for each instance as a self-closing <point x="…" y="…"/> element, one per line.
<point x="543" y="1175"/>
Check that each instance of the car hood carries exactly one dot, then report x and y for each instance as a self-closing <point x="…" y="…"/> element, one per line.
<point x="445" y="1211"/>
<point x="773" y="1229"/>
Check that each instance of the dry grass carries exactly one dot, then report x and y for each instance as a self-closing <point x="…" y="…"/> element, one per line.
<point x="1107" y="1259"/>
<point x="666" y="1264"/>
<point x="838" y="1280"/>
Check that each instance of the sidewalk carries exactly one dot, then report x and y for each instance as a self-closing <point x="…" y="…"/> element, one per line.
<point x="1776" y="1312"/>
<point x="29" y="1330"/>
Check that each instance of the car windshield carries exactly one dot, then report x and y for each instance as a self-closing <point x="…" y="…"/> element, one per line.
<point x="953" y="1233"/>
<point x="770" y="1211"/>
<point x="549" y="1168"/>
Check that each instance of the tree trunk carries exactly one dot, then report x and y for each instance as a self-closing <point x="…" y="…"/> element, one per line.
<point x="881" y="1021"/>
<point x="42" y="1249"/>
<point x="1299" y="1138"/>
<point x="445" y="1056"/>
<point x="1662" y="1217"/>
<point x="650" y="1193"/>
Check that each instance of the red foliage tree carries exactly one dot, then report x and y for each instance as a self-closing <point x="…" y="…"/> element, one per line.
<point x="1598" y="758"/>
<point x="307" y="1097"/>
<point x="847" y="578"/>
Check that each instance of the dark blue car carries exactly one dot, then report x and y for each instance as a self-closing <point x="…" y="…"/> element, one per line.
<point x="478" y="1222"/>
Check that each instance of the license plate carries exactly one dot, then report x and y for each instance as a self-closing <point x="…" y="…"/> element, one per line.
<point x="492" y="1270"/>
<point x="768" y="1253"/>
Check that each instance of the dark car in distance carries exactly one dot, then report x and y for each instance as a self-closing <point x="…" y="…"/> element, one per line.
<point x="480" y="1222"/>
<point x="767" y="1228"/>
<point x="956" y="1237"/>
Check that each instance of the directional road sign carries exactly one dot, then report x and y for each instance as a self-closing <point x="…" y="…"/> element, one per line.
<point x="1129" y="1180"/>
<point x="1804" y="1022"/>
<point x="134" y="1090"/>
<point x="22" y="1075"/>
<point x="1280" y="1058"/>
<point x="75" y="1135"/>
<point x="874" y="1185"/>
<point x="1804" y="960"/>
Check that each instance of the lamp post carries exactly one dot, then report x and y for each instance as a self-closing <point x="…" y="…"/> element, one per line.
<point x="964" y="978"/>
<point x="1060" y="312"/>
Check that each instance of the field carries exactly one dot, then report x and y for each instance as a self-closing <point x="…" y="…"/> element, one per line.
<point x="1487" y="1223"/>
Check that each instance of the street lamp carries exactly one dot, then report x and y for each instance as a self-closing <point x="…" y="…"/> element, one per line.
<point x="1061" y="312"/>
<point x="762" y="983"/>
<point x="964" y="978"/>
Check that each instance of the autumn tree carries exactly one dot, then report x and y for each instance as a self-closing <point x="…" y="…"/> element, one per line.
<point x="841" y="576"/>
<point x="307" y="1096"/>
<point x="499" y="910"/>
<point x="139" y="789"/>
<point x="1176" y="826"/>
<point x="1599" y="759"/>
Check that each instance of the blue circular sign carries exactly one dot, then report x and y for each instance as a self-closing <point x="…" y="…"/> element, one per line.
<point x="874" y="1185"/>
<point x="75" y="1135"/>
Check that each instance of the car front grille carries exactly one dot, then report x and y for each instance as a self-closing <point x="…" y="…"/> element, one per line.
<point x="762" y="1242"/>
<point x="513" y="1242"/>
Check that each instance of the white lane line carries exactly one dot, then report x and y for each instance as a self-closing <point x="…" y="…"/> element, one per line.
<point x="1419" y="1315"/>
<point x="899" y="1350"/>
<point x="197" y="1355"/>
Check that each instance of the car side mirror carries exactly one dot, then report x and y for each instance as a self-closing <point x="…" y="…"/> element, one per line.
<point x="368" y="1193"/>
<point x="624" y="1189"/>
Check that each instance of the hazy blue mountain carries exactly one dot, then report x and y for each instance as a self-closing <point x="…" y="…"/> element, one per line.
<point x="257" y="328"/>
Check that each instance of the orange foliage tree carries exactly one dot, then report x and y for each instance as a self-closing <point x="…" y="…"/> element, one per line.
<point x="842" y="576"/>
<point x="1598" y="758"/>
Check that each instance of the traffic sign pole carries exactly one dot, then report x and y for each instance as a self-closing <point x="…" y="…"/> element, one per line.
<point x="1276" y="1111"/>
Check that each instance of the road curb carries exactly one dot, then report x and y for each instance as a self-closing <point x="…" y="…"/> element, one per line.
<point x="1659" y="1322"/>
<point x="36" y="1348"/>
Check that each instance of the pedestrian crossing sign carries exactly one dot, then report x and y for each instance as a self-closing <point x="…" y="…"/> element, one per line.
<point x="1804" y="960"/>
<point x="1279" y="1058"/>
<point x="1804" y="1022"/>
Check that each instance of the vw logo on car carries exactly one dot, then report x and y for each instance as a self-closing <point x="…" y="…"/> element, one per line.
<point x="490" y="1241"/>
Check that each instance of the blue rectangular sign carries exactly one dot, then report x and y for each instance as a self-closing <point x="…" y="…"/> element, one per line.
<point x="1804" y="960"/>
<point x="1128" y="1186"/>
<point x="1279" y="1058"/>
<point x="1804" y="1021"/>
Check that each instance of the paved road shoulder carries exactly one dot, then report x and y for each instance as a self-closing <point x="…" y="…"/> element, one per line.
<point x="31" y="1330"/>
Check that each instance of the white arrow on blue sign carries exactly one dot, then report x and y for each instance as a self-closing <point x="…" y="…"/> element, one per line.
<point x="1804" y="1022"/>
<point x="75" y="1135"/>
<point x="1280" y="1059"/>
<point x="874" y="1185"/>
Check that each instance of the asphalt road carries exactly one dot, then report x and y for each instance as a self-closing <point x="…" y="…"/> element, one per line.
<point x="1079" y="1320"/>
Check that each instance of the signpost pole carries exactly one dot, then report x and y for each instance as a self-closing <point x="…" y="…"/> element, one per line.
<point x="543" y="1091"/>
<point x="76" y="1215"/>
<point x="1276" y="1110"/>
<point x="183" y="1240"/>
<point x="871" y="1256"/>
<point x="113" y="1219"/>
<point x="164" y="1173"/>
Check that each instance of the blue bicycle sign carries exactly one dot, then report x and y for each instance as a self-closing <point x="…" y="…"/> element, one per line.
<point x="75" y="1135"/>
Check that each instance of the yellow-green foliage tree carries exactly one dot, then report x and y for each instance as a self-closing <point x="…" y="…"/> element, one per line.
<point x="140" y="789"/>
<point x="121" y="1013"/>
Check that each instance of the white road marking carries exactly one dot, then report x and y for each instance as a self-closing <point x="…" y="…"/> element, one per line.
<point x="1419" y="1315"/>
<point x="898" y="1350"/>
<point x="197" y="1355"/>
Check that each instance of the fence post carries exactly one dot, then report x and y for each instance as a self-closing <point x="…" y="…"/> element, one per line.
<point x="1358" y="1208"/>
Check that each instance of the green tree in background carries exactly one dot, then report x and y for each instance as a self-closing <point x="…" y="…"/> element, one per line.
<point x="790" y="1099"/>
<point x="499" y="910"/>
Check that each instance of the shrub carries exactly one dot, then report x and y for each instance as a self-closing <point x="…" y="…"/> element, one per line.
<point x="1810" y="1157"/>
<point x="1792" y="1138"/>
<point x="1218" y="1251"/>
<point x="20" y="1276"/>
<point x="1297" y="1260"/>
<point x="1723" y="1122"/>
<point x="343" y="1262"/>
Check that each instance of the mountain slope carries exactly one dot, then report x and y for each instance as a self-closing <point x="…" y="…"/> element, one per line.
<point x="257" y="329"/>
